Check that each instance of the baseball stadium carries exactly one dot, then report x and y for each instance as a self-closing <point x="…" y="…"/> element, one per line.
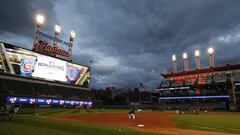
<point x="43" y="91"/>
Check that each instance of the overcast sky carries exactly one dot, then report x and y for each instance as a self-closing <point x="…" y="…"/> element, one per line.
<point x="130" y="41"/>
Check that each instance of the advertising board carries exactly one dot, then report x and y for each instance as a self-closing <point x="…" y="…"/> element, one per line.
<point x="47" y="101"/>
<point x="220" y="78"/>
<point x="165" y="83"/>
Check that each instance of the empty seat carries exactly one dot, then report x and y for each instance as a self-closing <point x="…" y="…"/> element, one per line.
<point x="20" y="88"/>
<point x="63" y="92"/>
<point x="3" y="91"/>
<point x="43" y="90"/>
<point x="81" y="94"/>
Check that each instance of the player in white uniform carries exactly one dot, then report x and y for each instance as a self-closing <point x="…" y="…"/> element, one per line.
<point x="131" y="114"/>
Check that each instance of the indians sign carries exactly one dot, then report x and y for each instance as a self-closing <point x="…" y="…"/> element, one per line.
<point x="61" y="49"/>
<point x="54" y="49"/>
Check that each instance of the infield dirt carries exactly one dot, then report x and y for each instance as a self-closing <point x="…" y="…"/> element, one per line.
<point x="153" y="122"/>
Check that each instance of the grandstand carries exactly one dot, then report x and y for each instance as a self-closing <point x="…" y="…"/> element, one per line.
<point x="212" y="88"/>
<point x="14" y="85"/>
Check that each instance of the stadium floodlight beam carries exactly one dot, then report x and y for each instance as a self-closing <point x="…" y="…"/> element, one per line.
<point x="72" y="34"/>
<point x="211" y="56"/>
<point x="174" y="57"/>
<point x="185" y="61"/>
<point x="210" y="50"/>
<point x="174" y="60"/>
<point x="185" y="56"/>
<point x="57" y="28"/>
<point x="72" y="37"/>
<point x="197" y="53"/>
<point x="39" y="21"/>
<point x="197" y="58"/>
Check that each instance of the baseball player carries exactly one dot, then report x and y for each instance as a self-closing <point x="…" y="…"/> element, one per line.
<point x="139" y="109"/>
<point x="131" y="114"/>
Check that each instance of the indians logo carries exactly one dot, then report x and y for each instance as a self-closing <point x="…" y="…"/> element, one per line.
<point x="61" y="102"/>
<point x="13" y="100"/>
<point x="46" y="46"/>
<point x="32" y="101"/>
<point x="49" y="101"/>
<point x="73" y="74"/>
<point x="72" y="102"/>
<point x="27" y="66"/>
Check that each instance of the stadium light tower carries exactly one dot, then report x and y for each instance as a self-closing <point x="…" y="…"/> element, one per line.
<point x="197" y="59"/>
<point x="39" y="21"/>
<point x="211" y="56"/>
<point x="174" y="60"/>
<point x="185" y="61"/>
<point x="72" y="37"/>
<point x="57" y="30"/>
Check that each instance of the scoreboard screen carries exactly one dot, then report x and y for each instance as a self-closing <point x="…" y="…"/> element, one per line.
<point x="31" y="64"/>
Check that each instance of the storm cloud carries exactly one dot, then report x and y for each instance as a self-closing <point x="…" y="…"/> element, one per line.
<point x="128" y="42"/>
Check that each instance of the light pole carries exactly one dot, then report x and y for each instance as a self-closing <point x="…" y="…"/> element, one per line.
<point x="72" y="37"/>
<point x="57" y="30"/>
<point x="197" y="58"/>
<point x="174" y="60"/>
<point x="211" y="56"/>
<point x="185" y="61"/>
<point x="39" y="21"/>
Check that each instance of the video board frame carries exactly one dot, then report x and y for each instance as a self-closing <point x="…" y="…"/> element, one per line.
<point x="28" y="63"/>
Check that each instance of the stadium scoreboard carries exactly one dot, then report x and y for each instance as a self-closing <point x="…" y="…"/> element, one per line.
<point x="32" y="64"/>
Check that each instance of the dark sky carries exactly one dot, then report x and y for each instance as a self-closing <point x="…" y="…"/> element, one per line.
<point x="130" y="41"/>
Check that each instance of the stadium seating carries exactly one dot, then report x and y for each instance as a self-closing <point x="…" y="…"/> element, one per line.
<point x="17" y="87"/>
<point x="43" y="90"/>
<point x="3" y="91"/>
<point x="63" y="92"/>
<point x="81" y="94"/>
<point x="12" y="85"/>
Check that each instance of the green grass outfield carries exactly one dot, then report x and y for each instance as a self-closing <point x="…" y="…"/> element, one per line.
<point x="40" y="125"/>
<point x="61" y="111"/>
<point x="219" y="122"/>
